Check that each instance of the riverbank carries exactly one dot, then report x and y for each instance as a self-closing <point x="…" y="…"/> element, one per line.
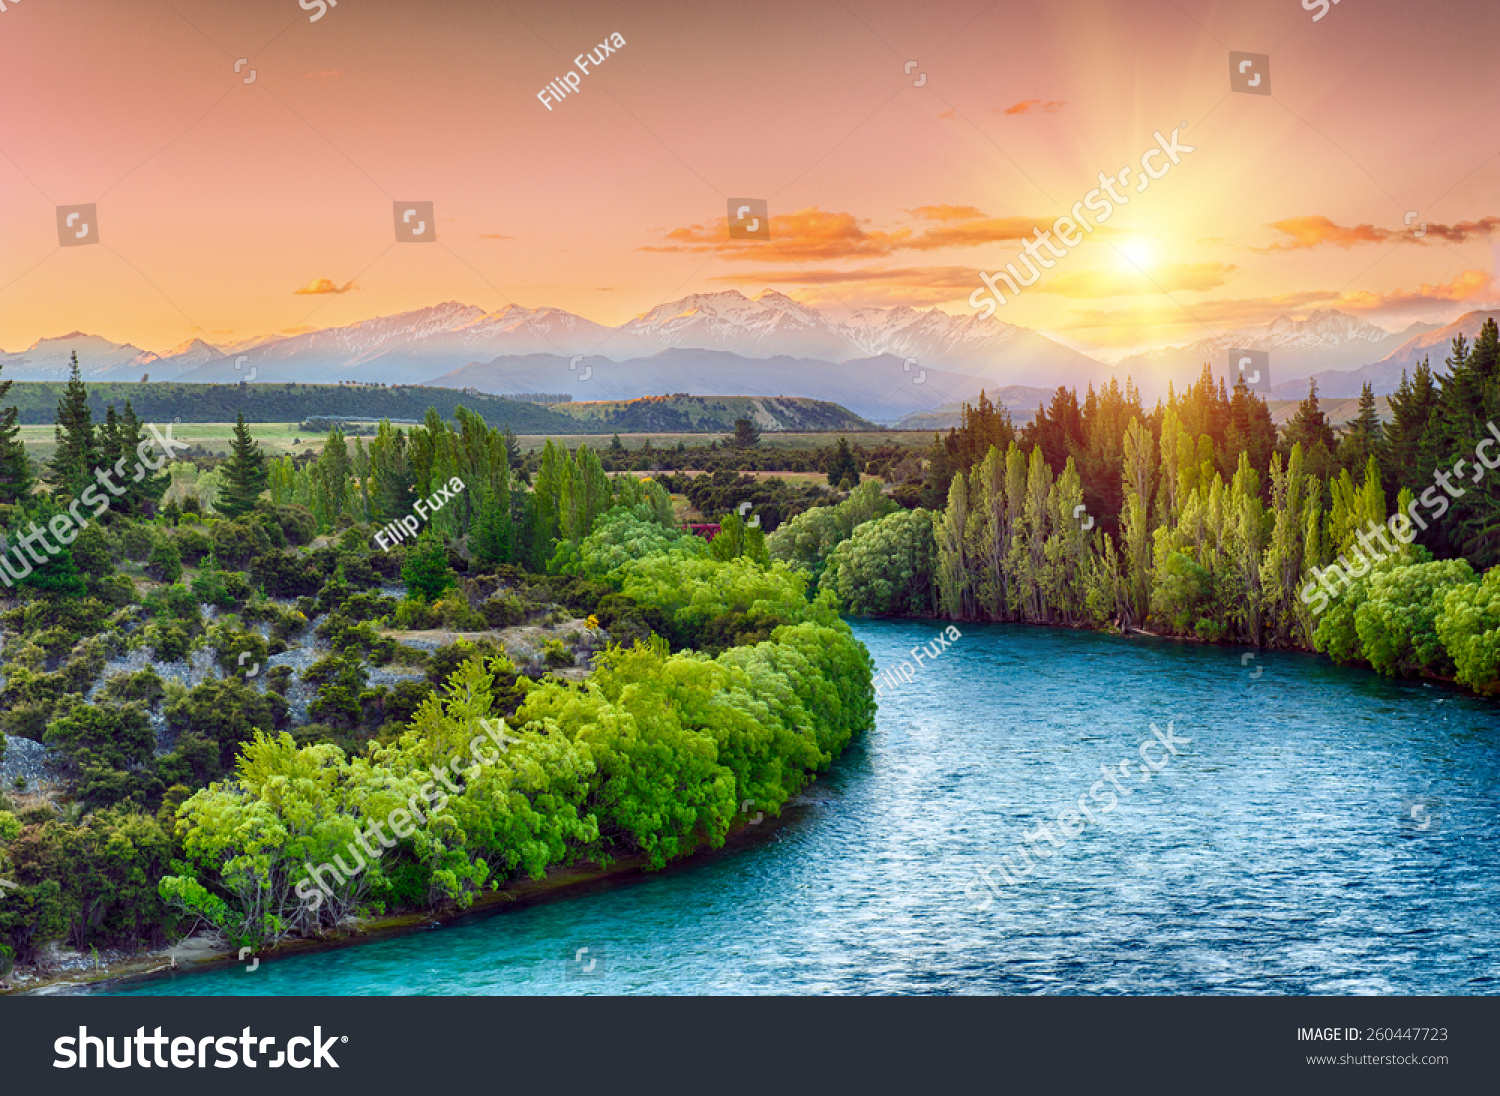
<point x="196" y="954"/>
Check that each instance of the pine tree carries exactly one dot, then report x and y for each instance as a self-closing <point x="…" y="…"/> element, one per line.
<point x="245" y="473"/>
<point x="16" y="475"/>
<point x="746" y="434"/>
<point x="77" y="453"/>
<point x="1414" y="406"/>
<point x="1365" y="435"/>
<point x="842" y="465"/>
<point x="1309" y="428"/>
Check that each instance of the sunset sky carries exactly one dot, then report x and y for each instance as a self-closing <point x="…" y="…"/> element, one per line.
<point x="228" y="210"/>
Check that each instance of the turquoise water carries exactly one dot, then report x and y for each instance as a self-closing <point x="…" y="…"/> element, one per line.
<point x="1325" y="831"/>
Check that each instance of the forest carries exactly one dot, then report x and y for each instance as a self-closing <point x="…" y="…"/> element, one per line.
<point x="1200" y="519"/>
<point x="237" y="679"/>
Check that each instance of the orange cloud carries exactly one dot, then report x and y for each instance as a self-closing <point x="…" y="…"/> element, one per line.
<point x="1314" y="231"/>
<point x="1462" y="231"/>
<point x="816" y="236"/>
<point x="322" y="285"/>
<point x="809" y="234"/>
<point x="1035" y="106"/>
<point x="494" y="236"/>
<point x="1471" y="285"/>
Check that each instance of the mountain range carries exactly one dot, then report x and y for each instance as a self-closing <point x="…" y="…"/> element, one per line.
<point x="881" y="363"/>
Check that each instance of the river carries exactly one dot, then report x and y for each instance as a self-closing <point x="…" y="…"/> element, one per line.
<point x="1325" y="831"/>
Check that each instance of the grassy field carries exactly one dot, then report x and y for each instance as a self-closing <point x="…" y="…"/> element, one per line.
<point x="276" y="438"/>
<point x="279" y="438"/>
<point x="767" y="439"/>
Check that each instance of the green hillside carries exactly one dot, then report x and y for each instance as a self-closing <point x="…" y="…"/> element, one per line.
<point x="166" y="402"/>
<point x="681" y="413"/>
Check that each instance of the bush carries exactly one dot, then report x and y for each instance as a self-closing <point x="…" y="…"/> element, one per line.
<point x="193" y="544"/>
<point x="503" y="611"/>
<point x="165" y="563"/>
<point x="286" y="574"/>
<point x="236" y="543"/>
<point x="1469" y="627"/>
<point x="556" y="655"/>
<point x="136" y="541"/>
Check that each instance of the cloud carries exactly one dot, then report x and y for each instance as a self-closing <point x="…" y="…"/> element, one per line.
<point x="1317" y="230"/>
<point x="813" y="235"/>
<point x="322" y="285"/>
<point x="1035" y="106"/>
<point x="1461" y="232"/>
<point x="1313" y="231"/>
<point x="1470" y="286"/>
<point x="494" y="236"/>
<point x="809" y="234"/>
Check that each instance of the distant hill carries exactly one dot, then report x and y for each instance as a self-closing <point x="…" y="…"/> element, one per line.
<point x="1021" y="400"/>
<point x="1338" y="411"/>
<point x="37" y="403"/>
<point x="880" y="389"/>
<point x="689" y="414"/>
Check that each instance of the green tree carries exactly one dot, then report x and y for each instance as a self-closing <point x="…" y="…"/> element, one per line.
<point x="746" y="434"/>
<point x="245" y="473"/>
<point x="77" y="452"/>
<point x="426" y="572"/>
<point x="16" y="474"/>
<point x="842" y="465"/>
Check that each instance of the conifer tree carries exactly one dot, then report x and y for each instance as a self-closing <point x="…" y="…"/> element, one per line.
<point x="77" y="452"/>
<point x="245" y="473"/>
<point x="16" y="475"/>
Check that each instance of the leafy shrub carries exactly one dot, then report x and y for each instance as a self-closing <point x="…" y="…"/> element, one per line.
<point x="165" y="563"/>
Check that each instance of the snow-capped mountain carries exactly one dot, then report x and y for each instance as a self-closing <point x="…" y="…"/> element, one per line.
<point x="774" y="324"/>
<point x="417" y="346"/>
<point x="1327" y="341"/>
<point x="98" y="358"/>
<point x="1431" y="342"/>
<point x="881" y="389"/>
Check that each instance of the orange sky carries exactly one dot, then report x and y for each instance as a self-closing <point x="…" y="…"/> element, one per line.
<point x="228" y="210"/>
